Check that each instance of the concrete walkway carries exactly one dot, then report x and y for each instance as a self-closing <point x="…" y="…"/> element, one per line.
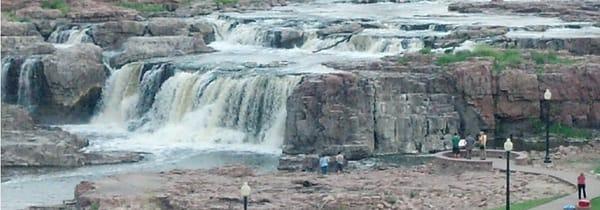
<point x="592" y="183"/>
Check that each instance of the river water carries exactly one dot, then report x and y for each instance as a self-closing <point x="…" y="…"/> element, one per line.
<point x="229" y="107"/>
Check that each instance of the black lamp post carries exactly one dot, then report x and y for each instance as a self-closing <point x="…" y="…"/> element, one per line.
<point x="245" y="191"/>
<point x="508" y="146"/>
<point x="547" y="97"/>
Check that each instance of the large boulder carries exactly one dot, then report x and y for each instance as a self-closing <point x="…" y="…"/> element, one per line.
<point x="138" y="48"/>
<point x="75" y="76"/>
<point x="25" y="46"/>
<point x="285" y="38"/>
<point x="88" y="11"/>
<point x="111" y="35"/>
<point x="18" y="29"/>
<point x="26" y="144"/>
<point x="205" y="29"/>
<point x="168" y="27"/>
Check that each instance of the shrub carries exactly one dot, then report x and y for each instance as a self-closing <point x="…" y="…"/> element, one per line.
<point x="56" y="4"/>
<point x="425" y="51"/>
<point x="142" y="7"/>
<point x="402" y="60"/>
<point x="559" y="129"/>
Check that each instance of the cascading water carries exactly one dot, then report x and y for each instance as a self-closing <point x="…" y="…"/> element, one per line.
<point x="306" y="37"/>
<point x="202" y="109"/>
<point x="23" y="82"/>
<point x="70" y="36"/>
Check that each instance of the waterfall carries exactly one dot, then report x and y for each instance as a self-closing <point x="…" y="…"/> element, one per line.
<point x="260" y="33"/>
<point x="23" y="82"/>
<point x="73" y="35"/>
<point x="202" y="107"/>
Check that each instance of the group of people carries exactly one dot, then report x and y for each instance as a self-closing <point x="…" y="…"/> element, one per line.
<point x="324" y="163"/>
<point x="469" y="143"/>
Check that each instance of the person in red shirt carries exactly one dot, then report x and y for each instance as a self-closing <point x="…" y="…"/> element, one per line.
<point x="581" y="185"/>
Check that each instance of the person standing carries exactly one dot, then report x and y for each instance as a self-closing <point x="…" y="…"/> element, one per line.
<point x="581" y="185"/>
<point x="339" y="163"/>
<point x="324" y="163"/>
<point x="455" y="148"/>
<point x="469" y="146"/>
<point x="482" y="145"/>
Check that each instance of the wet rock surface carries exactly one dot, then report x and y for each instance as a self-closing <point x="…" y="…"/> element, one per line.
<point x="415" y="187"/>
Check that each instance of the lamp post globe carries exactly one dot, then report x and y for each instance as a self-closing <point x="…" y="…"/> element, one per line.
<point x="508" y="147"/>
<point x="547" y="97"/>
<point x="245" y="191"/>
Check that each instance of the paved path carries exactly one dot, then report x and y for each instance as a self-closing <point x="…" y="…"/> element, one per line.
<point x="592" y="183"/>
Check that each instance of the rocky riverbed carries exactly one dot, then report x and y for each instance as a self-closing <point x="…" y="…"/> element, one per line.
<point x="417" y="187"/>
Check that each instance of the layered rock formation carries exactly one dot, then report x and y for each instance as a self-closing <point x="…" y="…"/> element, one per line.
<point x="388" y="107"/>
<point x="26" y="144"/>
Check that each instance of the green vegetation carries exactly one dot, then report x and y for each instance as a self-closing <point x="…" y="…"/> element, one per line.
<point x="560" y="129"/>
<point x="595" y="202"/>
<point x="425" y="51"/>
<point x="597" y="170"/>
<point x="12" y="16"/>
<point x="403" y="60"/>
<point x="541" y="58"/>
<point x="95" y="206"/>
<point x="502" y="58"/>
<point x="142" y="7"/>
<point x="61" y="5"/>
<point x="226" y="2"/>
<point x="529" y="204"/>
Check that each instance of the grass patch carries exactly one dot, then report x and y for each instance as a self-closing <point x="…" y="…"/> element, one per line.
<point x="57" y="4"/>
<point x="560" y="129"/>
<point x="12" y="16"/>
<point x="502" y="58"/>
<point x="226" y="2"/>
<point x="595" y="202"/>
<point x="142" y="7"/>
<point x="529" y="204"/>
<point x="541" y="58"/>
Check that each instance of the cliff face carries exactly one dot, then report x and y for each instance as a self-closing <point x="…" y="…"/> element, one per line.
<point x="391" y="108"/>
<point x="366" y="112"/>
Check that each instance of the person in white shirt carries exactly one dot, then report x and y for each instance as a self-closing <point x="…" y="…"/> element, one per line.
<point x="339" y="163"/>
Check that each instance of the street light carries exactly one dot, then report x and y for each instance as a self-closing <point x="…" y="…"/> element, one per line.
<point x="508" y="146"/>
<point x="547" y="97"/>
<point x="245" y="191"/>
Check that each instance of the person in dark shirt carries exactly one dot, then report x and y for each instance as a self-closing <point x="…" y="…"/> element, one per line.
<point x="469" y="146"/>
